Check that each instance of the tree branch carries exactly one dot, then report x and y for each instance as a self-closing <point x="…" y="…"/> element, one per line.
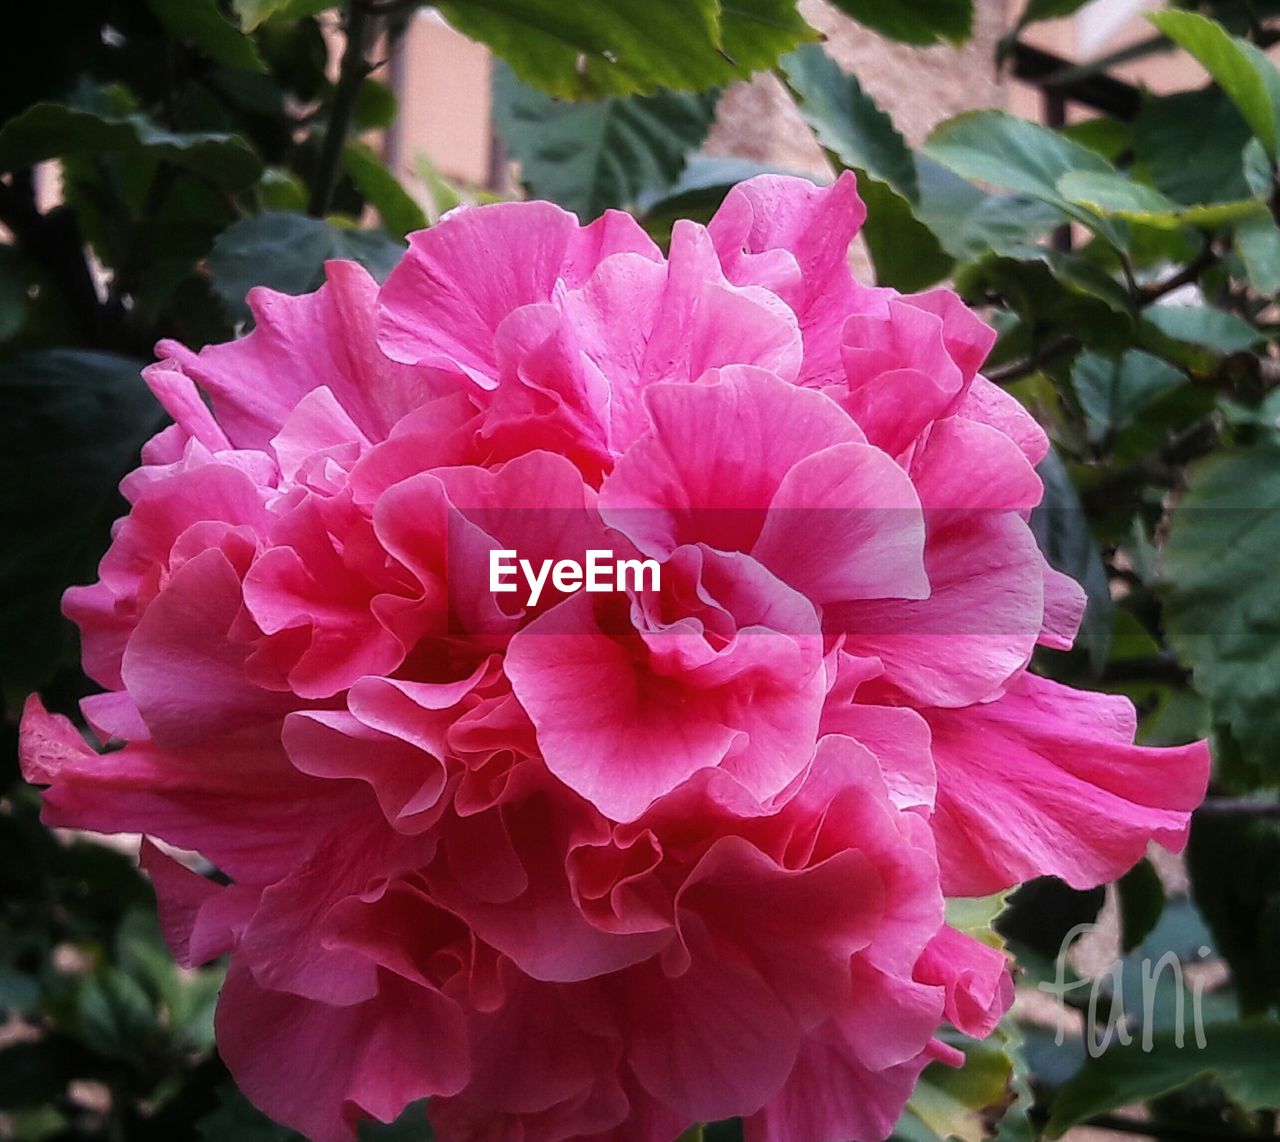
<point x="1188" y="275"/>
<point x="54" y="243"/>
<point x="352" y="73"/>
<point x="1016" y="370"/>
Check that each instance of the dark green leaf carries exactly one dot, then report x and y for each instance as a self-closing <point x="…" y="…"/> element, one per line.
<point x="1062" y="531"/>
<point x="114" y="1014"/>
<point x="847" y="121"/>
<point x="375" y="108"/>
<point x="202" y="24"/>
<point x="1141" y="902"/>
<point x="1112" y="392"/>
<point x="615" y="47"/>
<point x="918" y="22"/>
<point x="1222" y="609"/>
<point x="1239" y="1057"/>
<point x="54" y="130"/>
<point x="1190" y="143"/>
<point x="1235" y="873"/>
<point x="72" y="422"/>
<point x="287" y="252"/>
<point x="1053" y="296"/>
<point x="905" y="252"/>
<point x="589" y="157"/>
<point x="862" y="138"/>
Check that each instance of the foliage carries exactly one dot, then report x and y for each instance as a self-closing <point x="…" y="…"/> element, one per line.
<point x="206" y="147"/>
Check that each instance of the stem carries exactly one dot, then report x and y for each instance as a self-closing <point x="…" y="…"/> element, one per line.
<point x="352" y="72"/>
<point x="1162" y="467"/>
<point x="1155" y="668"/>
<point x="1188" y="275"/>
<point x="1016" y="370"/>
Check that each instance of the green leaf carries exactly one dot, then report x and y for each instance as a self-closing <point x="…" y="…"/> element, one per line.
<point x="1113" y="391"/>
<point x="970" y="222"/>
<point x="1241" y="70"/>
<point x="1257" y="242"/>
<point x="976" y="916"/>
<point x="863" y="139"/>
<point x="1240" y="1057"/>
<point x="280" y="189"/>
<point x="1113" y="195"/>
<point x="1204" y="325"/>
<point x="252" y="13"/>
<point x="847" y="121"/>
<point x="755" y="33"/>
<point x="114" y="1014"/>
<point x="1062" y="531"/>
<point x="287" y="252"/>
<point x="1141" y="902"/>
<point x="997" y="148"/>
<point x="1257" y="170"/>
<point x="905" y="252"/>
<point x="202" y="24"/>
<point x="444" y="195"/>
<point x="54" y="131"/>
<point x="375" y="108"/>
<point x="589" y="157"/>
<point x="960" y="1103"/>
<point x="594" y="48"/>
<point x="399" y="211"/>
<point x="71" y="425"/>
<point x="1222" y="607"/>
<point x="918" y="22"/>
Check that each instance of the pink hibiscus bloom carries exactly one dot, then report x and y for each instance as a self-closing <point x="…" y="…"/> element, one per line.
<point x="596" y="865"/>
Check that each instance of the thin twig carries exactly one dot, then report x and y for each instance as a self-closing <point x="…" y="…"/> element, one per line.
<point x="1016" y="370"/>
<point x="351" y="74"/>
<point x="1188" y="275"/>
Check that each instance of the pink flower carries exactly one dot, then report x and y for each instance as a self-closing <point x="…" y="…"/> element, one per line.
<point x="596" y="865"/>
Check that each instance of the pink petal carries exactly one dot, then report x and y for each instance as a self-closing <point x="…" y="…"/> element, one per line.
<point x="1044" y="782"/>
